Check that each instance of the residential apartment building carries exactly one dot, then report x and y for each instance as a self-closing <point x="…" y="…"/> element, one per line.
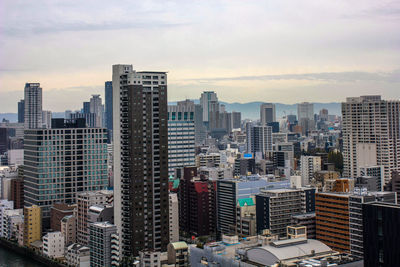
<point x="276" y="207"/>
<point x="259" y="139"/>
<point x="371" y="134"/>
<point x="53" y="245"/>
<point x="308" y="166"/>
<point x="84" y="201"/>
<point x="332" y="220"/>
<point x="100" y="243"/>
<point x="32" y="224"/>
<point x="356" y="216"/>
<point x="140" y="159"/>
<point x="33" y="106"/>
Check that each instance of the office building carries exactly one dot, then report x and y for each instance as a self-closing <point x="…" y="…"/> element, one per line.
<point x="332" y="220"/>
<point x="229" y="191"/>
<point x="181" y="136"/>
<point x="108" y="109"/>
<point x="46" y="119"/>
<point x="90" y="118"/>
<point x="33" y="106"/>
<point x="305" y="115"/>
<point x="21" y="111"/>
<point x="371" y="134"/>
<point x="97" y="108"/>
<point x="308" y="166"/>
<point x="259" y="139"/>
<point x="84" y="201"/>
<point x="53" y="245"/>
<point x="208" y="102"/>
<point x="267" y="113"/>
<point x="32" y="224"/>
<point x="140" y="159"/>
<point x="86" y="108"/>
<point x="380" y="234"/>
<point x="63" y="161"/>
<point x="100" y="243"/>
<point x="236" y="120"/>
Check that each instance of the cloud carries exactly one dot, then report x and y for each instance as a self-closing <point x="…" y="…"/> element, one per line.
<point x="351" y="76"/>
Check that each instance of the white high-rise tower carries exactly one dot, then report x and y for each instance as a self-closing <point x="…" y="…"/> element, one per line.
<point x="33" y="106"/>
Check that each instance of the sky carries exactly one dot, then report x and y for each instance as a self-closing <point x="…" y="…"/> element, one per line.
<point x="271" y="50"/>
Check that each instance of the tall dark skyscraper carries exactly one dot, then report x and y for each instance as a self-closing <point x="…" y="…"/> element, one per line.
<point x="141" y="201"/>
<point x="21" y="111"/>
<point x="109" y="108"/>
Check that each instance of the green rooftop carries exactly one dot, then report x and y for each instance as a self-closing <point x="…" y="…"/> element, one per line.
<point x="246" y="202"/>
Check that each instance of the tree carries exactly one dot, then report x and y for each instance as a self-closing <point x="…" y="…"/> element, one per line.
<point x="336" y="158"/>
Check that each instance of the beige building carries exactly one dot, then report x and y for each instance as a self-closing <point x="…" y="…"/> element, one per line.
<point x="32" y="224"/>
<point x="68" y="229"/>
<point x="84" y="201"/>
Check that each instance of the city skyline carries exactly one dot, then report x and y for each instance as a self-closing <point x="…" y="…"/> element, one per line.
<point x="282" y="48"/>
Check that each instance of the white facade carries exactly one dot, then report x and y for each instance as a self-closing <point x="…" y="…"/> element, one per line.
<point x="4" y="205"/>
<point x="173" y="218"/>
<point x="15" y="157"/>
<point x="46" y="118"/>
<point x="305" y="110"/>
<point x="97" y="108"/>
<point x="77" y="255"/>
<point x="308" y="166"/>
<point x="206" y="101"/>
<point x="371" y="120"/>
<point x="150" y="259"/>
<point x="33" y="106"/>
<point x="85" y="200"/>
<point x="11" y="218"/>
<point x="53" y="245"/>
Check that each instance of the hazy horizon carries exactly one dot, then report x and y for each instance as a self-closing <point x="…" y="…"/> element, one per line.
<point x="246" y="51"/>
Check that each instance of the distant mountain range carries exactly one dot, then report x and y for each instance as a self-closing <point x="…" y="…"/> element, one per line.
<point x="249" y="110"/>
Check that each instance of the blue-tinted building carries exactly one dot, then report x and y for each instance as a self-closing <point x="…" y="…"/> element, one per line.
<point x="21" y="111"/>
<point x="108" y="108"/>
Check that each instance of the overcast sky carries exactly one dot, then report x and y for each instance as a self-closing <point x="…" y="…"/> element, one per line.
<point x="274" y="51"/>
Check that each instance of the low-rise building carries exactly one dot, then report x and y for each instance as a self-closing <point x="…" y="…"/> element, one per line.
<point x="53" y="245"/>
<point x="68" y="229"/>
<point x="178" y="254"/>
<point x="77" y="255"/>
<point x="32" y="224"/>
